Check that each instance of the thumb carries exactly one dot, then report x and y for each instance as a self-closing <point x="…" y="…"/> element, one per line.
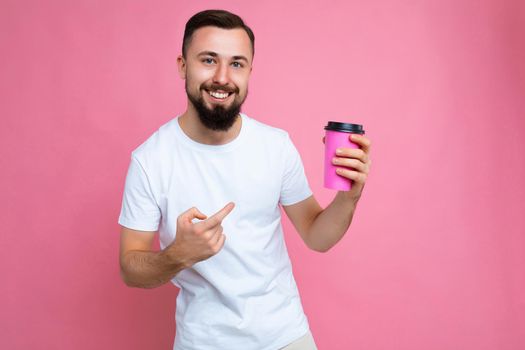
<point x="193" y="213"/>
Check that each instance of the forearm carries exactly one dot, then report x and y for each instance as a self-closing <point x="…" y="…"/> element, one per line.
<point x="147" y="269"/>
<point x="332" y="223"/>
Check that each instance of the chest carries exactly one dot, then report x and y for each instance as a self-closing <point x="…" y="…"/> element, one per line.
<point x="251" y="179"/>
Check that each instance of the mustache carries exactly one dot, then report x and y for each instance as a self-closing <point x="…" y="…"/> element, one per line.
<point x="226" y="88"/>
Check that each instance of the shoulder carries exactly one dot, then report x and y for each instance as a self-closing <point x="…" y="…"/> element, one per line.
<point x="156" y="145"/>
<point x="269" y="133"/>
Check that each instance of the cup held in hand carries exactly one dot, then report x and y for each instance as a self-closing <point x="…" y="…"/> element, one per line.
<point x="338" y="135"/>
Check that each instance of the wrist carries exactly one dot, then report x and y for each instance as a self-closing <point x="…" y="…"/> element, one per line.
<point x="174" y="258"/>
<point x="348" y="197"/>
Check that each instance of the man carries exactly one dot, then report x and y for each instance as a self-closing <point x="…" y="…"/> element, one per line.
<point x="210" y="182"/>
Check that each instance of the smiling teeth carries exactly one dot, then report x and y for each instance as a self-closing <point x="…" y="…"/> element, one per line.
<point x="218" y="94"/>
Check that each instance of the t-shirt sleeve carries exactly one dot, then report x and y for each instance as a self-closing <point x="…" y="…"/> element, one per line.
<point x="140" y="210"/>
<point x="295" y="187"/>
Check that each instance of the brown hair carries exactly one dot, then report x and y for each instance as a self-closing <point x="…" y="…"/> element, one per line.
<point x="216" y="18"/>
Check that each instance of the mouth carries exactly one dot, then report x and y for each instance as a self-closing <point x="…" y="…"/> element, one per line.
<point x="219" y="95"/>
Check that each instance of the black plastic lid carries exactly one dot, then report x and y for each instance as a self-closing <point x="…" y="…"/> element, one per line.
<point x="345" y="127"/>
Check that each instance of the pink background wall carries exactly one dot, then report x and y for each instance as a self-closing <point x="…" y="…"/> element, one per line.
<point x="435" y="257"/>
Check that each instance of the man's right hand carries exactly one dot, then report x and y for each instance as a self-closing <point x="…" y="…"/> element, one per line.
<point x="198" y="241"/>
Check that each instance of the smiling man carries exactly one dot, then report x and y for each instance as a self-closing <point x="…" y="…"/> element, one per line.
<point x="210" y="182"/>
<point x="216" y="81"/>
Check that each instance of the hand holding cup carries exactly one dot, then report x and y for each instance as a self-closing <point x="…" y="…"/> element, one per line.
<point x="347" y="161"/>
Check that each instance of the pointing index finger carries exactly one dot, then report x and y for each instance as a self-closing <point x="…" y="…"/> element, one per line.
<point x="217" y="218"/>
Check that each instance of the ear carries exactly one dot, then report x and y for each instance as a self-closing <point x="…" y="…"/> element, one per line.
<point x="181" y="64"/>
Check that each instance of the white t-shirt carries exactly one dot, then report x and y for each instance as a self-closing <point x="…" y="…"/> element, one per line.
<point x="244" y="297"/>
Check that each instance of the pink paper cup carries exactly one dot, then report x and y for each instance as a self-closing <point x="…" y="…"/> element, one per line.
<point x="338" y="135"/>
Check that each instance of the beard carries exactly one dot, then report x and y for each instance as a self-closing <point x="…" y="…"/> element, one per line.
<point x="219" y="118"/>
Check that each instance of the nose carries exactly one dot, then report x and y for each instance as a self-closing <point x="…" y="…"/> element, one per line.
<point x="221" y="74"/>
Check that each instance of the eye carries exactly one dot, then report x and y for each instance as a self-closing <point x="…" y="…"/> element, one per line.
<point x="208" y="60"/>
<point x="237" y="64"/>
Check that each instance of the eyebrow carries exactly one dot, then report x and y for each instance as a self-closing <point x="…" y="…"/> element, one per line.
<point x="215" y="54"/>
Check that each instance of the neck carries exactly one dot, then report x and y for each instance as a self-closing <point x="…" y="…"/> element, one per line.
<point x="192" y="126"/>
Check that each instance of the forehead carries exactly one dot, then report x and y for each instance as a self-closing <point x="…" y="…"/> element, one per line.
<point x="225" y="42"/>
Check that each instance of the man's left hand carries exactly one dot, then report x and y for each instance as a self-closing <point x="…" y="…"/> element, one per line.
<point x="354" y="164"/>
